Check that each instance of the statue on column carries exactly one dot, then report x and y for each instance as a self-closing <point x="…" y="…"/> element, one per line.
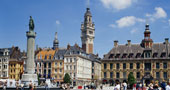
<point x="31" y="24"/>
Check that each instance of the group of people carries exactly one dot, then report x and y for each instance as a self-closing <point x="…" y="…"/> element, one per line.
<point x="120" y="86"/>
<point x="152" y="86"/>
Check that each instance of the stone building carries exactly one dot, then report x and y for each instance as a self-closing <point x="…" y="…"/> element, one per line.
<point x="43" y="63"/>
<point x="16" y="64"/>
<point x="147" y="60"/>
<point x="4" y="61"/>
<point x="15" y="69"/>
<point x="58" y="66"/>
<point x="87" y="32"/>
<point x="77" y="64"/>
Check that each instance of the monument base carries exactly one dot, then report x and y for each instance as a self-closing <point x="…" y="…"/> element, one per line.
<point x="29" y="78"/>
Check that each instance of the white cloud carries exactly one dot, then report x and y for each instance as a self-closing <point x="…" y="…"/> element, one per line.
<point x="133" y="31"/>
<point x="112" y="25"/>
<point x="128" y="21"/>
<point x="117" y="4"/>
<point x="169" y="21"/>
<point x="160" y="13"/>
<point x="57" y="22"/>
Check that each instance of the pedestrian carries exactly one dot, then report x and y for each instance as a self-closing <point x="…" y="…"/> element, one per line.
<point x="22" y="86"/>
<point x="156" y="86"/>
<point x="168" y="86"/>
<point x="30" y="86"/>
<point x="151" y="86"/>
<point x="124" y="85"/>
<point x="134" y="86"/>
<point x="4" y="85"/>
<point x="117" y="87"/>
<point x="163" y="85"/>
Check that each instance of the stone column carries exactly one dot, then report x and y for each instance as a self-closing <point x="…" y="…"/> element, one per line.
<point x="29" y="74"/>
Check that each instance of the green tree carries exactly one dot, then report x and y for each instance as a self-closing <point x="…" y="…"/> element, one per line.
<point x="38" y="79"/>
<point x="67" y="78"/>
<point x="131" y="79"/>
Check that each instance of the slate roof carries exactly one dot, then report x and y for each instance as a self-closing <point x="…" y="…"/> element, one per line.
<point x="88" y="13"/>
<point x="60" y="54"/>
<point x="3" y="49"/>
<point x="137" y="49"/>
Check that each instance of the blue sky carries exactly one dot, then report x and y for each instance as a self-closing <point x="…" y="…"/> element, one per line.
<point x="120" y="20"/>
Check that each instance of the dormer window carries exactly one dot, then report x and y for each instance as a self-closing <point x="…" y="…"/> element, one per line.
<point x="117" y="56"/>
<point x="138" y="55"/>
<point x="147" y="54"/>
<point x="163" y="54"/>
<point x="124" y="55"/>
<point x="111" y="56"/>
<point x="155" y="55"/>
<point x="130" y="55"/>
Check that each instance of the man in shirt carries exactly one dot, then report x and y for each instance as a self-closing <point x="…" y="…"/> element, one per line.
<point x="168" y="86"/>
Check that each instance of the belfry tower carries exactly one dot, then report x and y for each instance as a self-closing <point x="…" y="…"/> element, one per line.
<point x="87" y="32"/>
<point x="55" y="42"/>
<point x="147" y="41"/>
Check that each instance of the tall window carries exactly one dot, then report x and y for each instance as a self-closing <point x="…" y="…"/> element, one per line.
<point x="117" y="75"/>
<point x="138" y="65"/>
<point x="117" y="66"/>
<point x="165" y="75"/>
<point x="49" y="65"/>
<point x="157" y="65"/>
<point x="105" y="66"/>
<point x="165" y="65"/>
<point x="157" y="75"/>
<point x="70" y="59"/>
<point x="111" y="65"/>
<point x="138" y="75"/>
<point x="124" y="74"/>
<point x="111" y="74"/>
<point x="104" y="74"/>
<point x="74" y="67"/>
<point x="131" y="65"/>
<point x="124" y="65"/>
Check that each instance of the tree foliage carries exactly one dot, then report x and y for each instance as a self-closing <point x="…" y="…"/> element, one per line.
<point x="131" y="79"/>
<point x="67" y="78"/>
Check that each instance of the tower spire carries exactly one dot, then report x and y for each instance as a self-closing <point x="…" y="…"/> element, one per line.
<point x="87" y="32"/>
<point x="147" y="41"/>
<point x="55" y="42"/>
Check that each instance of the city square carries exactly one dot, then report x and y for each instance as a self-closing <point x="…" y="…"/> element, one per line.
<point x="85" y="45"/>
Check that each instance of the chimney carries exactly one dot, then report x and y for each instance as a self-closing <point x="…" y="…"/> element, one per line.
<point x="166" y="40"/>
<point x="115" y="43"/>
<point x="68" y="46"/>
<point x="129" y="42"/>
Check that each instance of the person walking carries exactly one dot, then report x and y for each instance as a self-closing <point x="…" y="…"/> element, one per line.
<point x="117" y="87"/>
<point x="134" y="86"/>
<point x="168" y="86"/>
<point x="163" y="85"/>
<point x="124" y="85"/>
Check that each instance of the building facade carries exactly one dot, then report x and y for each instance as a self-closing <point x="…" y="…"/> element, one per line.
<point x="15" y="69"/>
<point x="4" y="62"/>
<point x="96" y="69"/>
<point x="87" y="32"/>
<point x="58" y="66"/>
<point x="147" y="60"/>
<point x="44" y="63"/>
<point x="16" y="63"/>
<point x="78" y="65"/>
